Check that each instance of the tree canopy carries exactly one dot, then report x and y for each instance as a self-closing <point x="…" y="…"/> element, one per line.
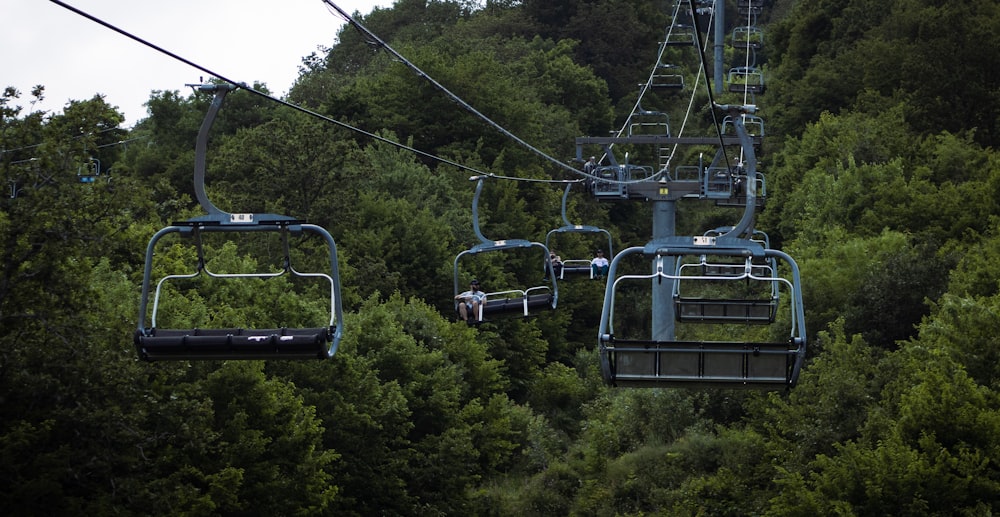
<point x="881" y="176"/>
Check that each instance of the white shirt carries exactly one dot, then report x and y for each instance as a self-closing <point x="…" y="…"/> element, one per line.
<point x="599" y="261"/>
<point x="476" y="296"/>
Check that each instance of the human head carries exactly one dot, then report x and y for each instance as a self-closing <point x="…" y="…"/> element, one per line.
<point x="474" y="285"/>
<point x="600" y="252"/>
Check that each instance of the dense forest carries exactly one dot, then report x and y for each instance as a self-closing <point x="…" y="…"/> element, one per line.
<point x="882" y="180"/>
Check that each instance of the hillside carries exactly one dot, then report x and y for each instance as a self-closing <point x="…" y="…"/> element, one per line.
<point x="881" y="180"/>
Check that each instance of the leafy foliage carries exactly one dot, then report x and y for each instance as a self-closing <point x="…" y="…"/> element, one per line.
<point x="882" y="179"/>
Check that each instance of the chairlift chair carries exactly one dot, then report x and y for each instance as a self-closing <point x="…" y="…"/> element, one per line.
<point x="750" y="7"/>
<point x="753" y="123"/>
<point x="667" y="76"/>
<point x="649" y="122"/>
<point x="574" y="267"/>
<point x="745" y="79"/>
<point x="88" y="173"/>
<point x="748" y="36"/>
<point x="669" y="362"/>
<point x="692" y="279"/>
<point x="520" y="300"/>
<point x="680" y="35"/>
<point x="155" y="343"/>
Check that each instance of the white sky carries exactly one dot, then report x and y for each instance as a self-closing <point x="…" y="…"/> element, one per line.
<point x="42" y="42"/>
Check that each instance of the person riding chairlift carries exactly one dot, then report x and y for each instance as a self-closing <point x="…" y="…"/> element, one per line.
<point x="599" y="265"/>
<point x="471" y="302"/>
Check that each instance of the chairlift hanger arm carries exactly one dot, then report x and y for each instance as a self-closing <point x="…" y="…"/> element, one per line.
<point x="568" y="226"/>
<point x="577" y="228"/>
<point x="486" y="244"/>
<point x="746" y="224"/>
<point x="220" y="91"/>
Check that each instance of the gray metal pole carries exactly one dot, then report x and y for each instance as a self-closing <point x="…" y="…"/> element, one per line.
<point x="664" y="222"/>
<point x="720" y="42"/>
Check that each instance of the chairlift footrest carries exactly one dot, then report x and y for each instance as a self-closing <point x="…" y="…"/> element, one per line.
<point x="708" y="364"/>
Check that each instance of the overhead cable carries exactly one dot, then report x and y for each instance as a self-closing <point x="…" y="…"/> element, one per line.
<point x="708" y="88"/>
<point x="371" y="37"/>
<point x="262" y="94"/>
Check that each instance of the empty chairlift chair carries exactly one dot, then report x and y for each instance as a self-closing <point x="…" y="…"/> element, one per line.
<point x="748" y="36"/>
<point x="746" y="79"/>
<point x="664" y="361"/>
<point x="680" y="35"/>
<point x="667" y="76"/>
<point x="155" y="342"/>
<point x="708" y="289"/>
<point x="648" y="122"/>
<point x="750" y="7"/>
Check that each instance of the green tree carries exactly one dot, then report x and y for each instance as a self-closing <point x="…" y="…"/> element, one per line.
<point x="927" y="451"/>
<point x="828" y="53"/>
<point x="831" y="403"/>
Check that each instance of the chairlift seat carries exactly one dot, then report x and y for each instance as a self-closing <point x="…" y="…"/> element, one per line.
<point x="155" y="343"/>
<point x="759" y="309"/>
<point x="667" y="76"/>
<point x="681" y="35"/>
<point x="748" y="36"/>
<point x="746" y="78"/>
<point x="234" y="343"/>
<point x="517" y="301"/>
<point x="575" y="267"/>
<point x="662" y="361"/>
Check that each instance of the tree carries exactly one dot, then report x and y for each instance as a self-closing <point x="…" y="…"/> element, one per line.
<point x="926" y="450"/>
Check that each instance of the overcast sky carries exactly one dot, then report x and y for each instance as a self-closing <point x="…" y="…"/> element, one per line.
<point x="42" y="42"/>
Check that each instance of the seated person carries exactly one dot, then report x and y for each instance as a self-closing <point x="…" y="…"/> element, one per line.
<point x="471" y="300"/>
<point x="555" y="265"/>
<point x="599" y="265"/>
